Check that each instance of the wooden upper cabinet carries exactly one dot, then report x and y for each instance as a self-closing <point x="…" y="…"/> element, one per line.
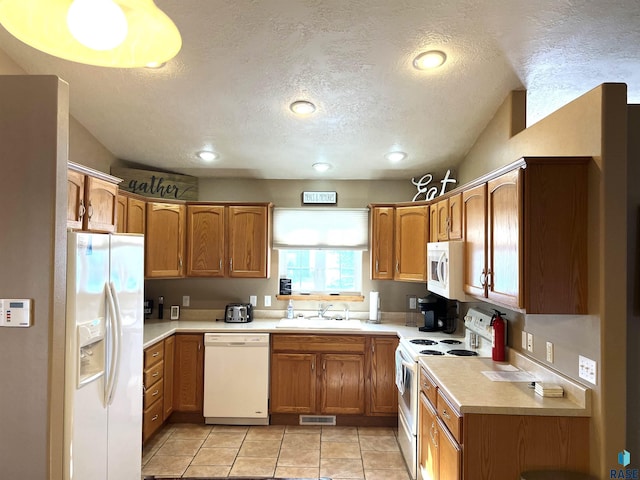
<point x="248" y="241"/>
<point x="205" y="240"/>
<point x="382" y="237"/>
<point x="412" y="234"/>
<point x="455" y="217"/>
<point x="474" y="231"/>
<point x="75" y="199"/>
<point x="165" y="239"/>
<point x="442" y="219"/>
<point x="91" y="200"/>
<point x="525" y="236"/>
<point x="132" y="213"/>
<point x="504" y="245"/>
<point x="121" y="227"/>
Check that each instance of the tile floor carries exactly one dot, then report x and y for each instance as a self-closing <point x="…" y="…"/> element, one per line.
<point x="368" y="453"/>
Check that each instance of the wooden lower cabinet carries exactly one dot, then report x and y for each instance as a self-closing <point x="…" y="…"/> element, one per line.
<point x="495" y="446"/>
<point x="293" y="383"/>
<point x="169" y="356"/>
<point x="188" y="380"/>
<point x="383" y="394"/>
<point x="333" y="375"/>
<point x="153" y="389"/>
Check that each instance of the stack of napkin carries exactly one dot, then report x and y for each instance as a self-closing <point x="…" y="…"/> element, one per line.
<point x="549" y="389"/>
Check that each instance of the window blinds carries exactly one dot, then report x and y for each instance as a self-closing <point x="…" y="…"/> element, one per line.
<point x="325" y="228"/>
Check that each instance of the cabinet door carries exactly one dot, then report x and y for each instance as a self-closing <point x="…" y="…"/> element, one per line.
<point x="384" y="396"/>
<point x="169" y="358"/>
<point x="474" y="207"/>
<point x="102" y="205"/>
<point x="427" y="441"/>
<point x="188" y="376"/>
<point x="293" y="383"/>
<point x="433" y="222"/>
<point x="205" y="241"/>
<point x="164" y="240"/>
<point x="342" y="382"/>
<point x="455" y="217"/>
<point x="504" y="255"/>
<point x="412" y="233"/>
<point x="75" y="199"/>
<point x="248" y="241"/>
<point x="136" y="215"/>
<point x="382" y="226"/>
<point x="121" y="226"/>
<point x="450" y="454"/>
<point x="443" y="220"/>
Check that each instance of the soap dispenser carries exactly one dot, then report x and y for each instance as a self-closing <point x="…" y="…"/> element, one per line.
<point x="290" y="309"/>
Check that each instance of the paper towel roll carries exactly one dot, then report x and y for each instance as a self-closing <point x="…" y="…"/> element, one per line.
<point x="374" y="306"/>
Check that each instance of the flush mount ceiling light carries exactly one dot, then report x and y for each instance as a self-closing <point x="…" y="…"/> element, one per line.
<point x="207" y="156"/>
<point x="321" y="166"/>
<point x="430" y="59"/>
<point x="395" y="157"/>
<point x="302" y="107"/>
<point x="106" y="33"/>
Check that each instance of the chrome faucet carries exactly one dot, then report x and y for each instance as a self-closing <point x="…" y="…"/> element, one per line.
<point x="322" y="309"/>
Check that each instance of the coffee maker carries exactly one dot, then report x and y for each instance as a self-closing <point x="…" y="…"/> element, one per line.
<point x="438" y="313"/>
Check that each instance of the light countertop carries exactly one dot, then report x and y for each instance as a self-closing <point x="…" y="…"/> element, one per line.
<point x="470" y="391"/>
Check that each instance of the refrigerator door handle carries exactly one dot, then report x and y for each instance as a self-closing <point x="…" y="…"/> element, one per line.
<point x="116" y="348"/>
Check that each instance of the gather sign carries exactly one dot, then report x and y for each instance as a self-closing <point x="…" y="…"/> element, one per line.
<point x="170" y="186"/>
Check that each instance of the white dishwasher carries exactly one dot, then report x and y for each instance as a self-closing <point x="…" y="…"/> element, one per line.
<point x="236" y="378"/>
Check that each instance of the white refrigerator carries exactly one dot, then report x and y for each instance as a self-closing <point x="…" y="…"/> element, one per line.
<point x="103" y="358"/>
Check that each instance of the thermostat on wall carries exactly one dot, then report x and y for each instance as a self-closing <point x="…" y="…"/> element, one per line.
<point x="15" y="312"/>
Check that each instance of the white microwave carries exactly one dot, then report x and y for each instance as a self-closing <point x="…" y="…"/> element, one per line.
<point x="445" y="269"/>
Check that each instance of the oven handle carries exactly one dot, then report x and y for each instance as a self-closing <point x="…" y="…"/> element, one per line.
<point x="410" y="366"/>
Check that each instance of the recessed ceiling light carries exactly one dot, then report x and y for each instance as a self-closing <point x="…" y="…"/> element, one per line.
<point x="430" y="59"/>
<point x="207" y="156"/>
<point x="395" y="156"/>
<point x="302" y="107"/>
<point x="321" y="167"/>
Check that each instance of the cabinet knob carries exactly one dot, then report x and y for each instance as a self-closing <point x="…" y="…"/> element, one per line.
<point x="81" y="209"/>
<point x="445" y="414"/>
<point x="155" y="374"/>
<point x="90" y="210"/>
<point x="154" y="394"/>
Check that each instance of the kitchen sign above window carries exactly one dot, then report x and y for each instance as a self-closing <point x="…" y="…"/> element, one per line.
<point x="170" y="186"/>
<point x="319" y="198"/>
<point x="431" y="191"/>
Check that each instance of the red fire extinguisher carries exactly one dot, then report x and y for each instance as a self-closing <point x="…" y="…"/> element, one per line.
<point x="498" y="336"/>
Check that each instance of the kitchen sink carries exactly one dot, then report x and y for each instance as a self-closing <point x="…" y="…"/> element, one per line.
<point x="317" y="323"/>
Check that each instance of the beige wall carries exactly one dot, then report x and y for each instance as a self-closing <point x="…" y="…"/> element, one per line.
<point x="216" y="293"/>
<point x="593" y="125"/>
<point x="33" y="149"/>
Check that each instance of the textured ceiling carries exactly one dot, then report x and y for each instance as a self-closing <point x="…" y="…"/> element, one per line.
<point x="243" y="62"/>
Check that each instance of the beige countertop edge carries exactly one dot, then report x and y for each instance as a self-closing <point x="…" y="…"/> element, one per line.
<point x="464" y="385"/>
<point x="156" y="330"/>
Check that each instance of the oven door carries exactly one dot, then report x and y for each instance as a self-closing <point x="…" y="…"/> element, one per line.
<point x="407" y="384"/>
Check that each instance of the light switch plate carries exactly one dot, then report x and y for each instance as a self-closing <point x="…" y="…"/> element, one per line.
<point x="253" y="300"/>
<point x="524" y="340"/>
<point x="530" y="342"/>
<point x="267" y="300"/>
<point x="549" y="352"/>
<point x="175" y="312"/>
<point x="186" y="300"/>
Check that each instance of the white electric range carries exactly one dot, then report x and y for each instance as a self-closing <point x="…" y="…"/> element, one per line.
<point x="477" y="341"/>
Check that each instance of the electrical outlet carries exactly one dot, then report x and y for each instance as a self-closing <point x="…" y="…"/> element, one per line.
<point x="549" y="352"/>
<point x="530" y="342"/>
<point x="587" y="369"/>
<point x="186" y="300"/>
<point x="267" y="300"/>
<point x="524" y="340"/>
<point x="253" y="300"/>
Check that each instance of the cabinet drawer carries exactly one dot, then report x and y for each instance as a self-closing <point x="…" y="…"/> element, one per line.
<point x="428" y="387"/>
<point x="153" y="374"/>
<point x="151" y="420"/>
<point x="318" y="343"/>
<point x="153" y="394"/>
<point x="450" y="417"/>
<point x="153" y="354"/>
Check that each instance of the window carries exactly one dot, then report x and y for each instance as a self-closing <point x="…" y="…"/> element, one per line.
<point x="321" y="249"/>
<point x="313" y="270"/>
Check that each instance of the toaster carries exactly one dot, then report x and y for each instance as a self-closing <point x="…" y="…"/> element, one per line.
<point x="238" y="313"/>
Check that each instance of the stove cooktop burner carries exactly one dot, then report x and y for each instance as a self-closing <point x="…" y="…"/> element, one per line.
<point x="462" y="353"/>
<point x="431" y="352"/>
<point x="451" y="342"/>
<point x="423" y="341"/>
